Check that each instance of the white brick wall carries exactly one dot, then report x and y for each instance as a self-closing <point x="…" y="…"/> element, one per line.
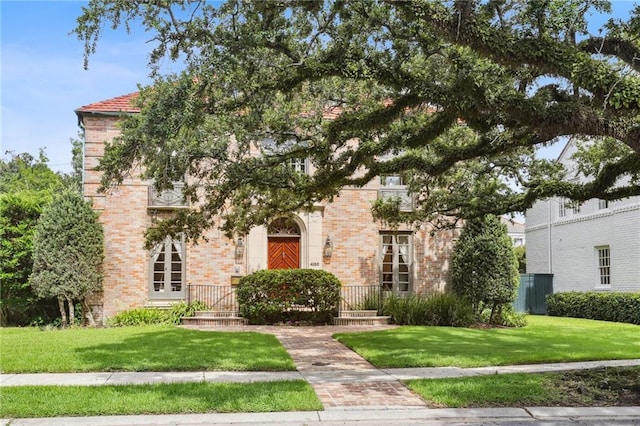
<point x="573" y="247"/>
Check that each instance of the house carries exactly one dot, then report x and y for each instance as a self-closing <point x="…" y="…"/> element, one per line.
<point x="590" y="246"/>
<point x="515" y="230"/>
<point x="339" y="236"/>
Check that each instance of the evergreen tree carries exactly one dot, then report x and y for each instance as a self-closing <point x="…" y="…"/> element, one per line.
<point x="484" y="265"/>
<point x="68" y="254"/>
<point x="26" y="187"/>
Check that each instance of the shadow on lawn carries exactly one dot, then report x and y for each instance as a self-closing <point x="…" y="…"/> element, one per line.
<point x="176" y="349"/>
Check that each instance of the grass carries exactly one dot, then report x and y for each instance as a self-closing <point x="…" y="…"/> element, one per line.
<point x="148" y="348"/>
<point x="545" y="339"/>
<point x="599" y="387"/>
<point x="175" y="398"/>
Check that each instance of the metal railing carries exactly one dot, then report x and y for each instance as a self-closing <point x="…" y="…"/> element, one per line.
<point x="400" y="192"/>
<point x="361" y="297"/>
<point x="223" y="298"/>
<point x="165" y="199"/>
<point x="216" y="297"/>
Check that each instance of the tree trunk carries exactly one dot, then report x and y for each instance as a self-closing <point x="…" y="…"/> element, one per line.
<point x="88" y="314"/>
<point x="72" y="313"/>
<point x="63" y="311"/>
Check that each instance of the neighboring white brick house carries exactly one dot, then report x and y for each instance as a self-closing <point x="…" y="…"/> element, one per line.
<point x="594" y="246"/>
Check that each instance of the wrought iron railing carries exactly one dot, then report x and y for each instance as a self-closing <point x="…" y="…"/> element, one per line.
<point x="400" y="192"/>
<point x="223" y="298"/>
<point x="216" y="297"/>
<point x="361" y="297"/>
<point x="167" y="199"/>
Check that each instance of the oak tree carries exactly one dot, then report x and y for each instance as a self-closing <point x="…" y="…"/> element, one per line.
<point x="455" y="95"/>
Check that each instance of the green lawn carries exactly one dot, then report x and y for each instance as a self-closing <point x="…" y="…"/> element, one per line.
<point x="570" y="389"/>
<point x="545" y="339"/>
<point x="175" y="398"/>
<point x="150" y="348"/>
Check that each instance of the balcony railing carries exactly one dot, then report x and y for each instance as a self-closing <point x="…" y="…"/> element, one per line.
<point x="171" y="198"/>
<point x="400" y="192"/>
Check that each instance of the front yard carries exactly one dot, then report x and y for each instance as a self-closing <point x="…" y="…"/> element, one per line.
<point x="147" y="348"/>
<point x="545" y="339"/>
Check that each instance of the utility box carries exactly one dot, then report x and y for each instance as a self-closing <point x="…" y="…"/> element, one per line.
<point x="532" y="291"/>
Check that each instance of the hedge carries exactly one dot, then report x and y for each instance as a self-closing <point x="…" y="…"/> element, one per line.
<point x="289" y="295"/>
<point x="605" y="306"/>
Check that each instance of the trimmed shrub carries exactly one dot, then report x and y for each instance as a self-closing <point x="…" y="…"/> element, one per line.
<point x="604" y="306"/>
<point x="149" y="316"/>
<point x="440" y="309"/>
<point x="289" y="295"/>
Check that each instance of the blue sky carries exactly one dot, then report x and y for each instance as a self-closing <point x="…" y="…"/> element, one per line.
<point x="42" y="79"/>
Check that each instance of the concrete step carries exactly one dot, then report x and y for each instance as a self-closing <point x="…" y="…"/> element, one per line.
<point x="214" y="321"/>
<point x="217" y="314"/>
<point x="351" y="321"/>
<point x="358" y="313"/>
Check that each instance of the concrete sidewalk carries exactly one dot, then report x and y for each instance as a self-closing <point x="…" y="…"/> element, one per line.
<point x="369" y="416"/>
<point x="325" y="376"/>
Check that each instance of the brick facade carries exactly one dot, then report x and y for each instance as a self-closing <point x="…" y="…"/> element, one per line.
<point x="347" y="221"/>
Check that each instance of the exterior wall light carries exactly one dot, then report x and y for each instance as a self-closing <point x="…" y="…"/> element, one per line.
<point x="327" y="250"/>
<point x="239" y="250"/>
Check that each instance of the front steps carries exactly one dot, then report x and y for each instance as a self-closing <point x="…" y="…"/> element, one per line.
<point x="214" y="318"/>
<point x="362" y="317"/>
<point x="231" y="318"/>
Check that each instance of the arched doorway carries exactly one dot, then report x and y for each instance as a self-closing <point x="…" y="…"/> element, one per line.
<point x="283" y="244"/>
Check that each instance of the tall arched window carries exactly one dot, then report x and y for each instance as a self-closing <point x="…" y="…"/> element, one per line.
<point x="167" y="270"/>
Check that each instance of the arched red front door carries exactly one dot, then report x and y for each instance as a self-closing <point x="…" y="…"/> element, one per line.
<point x="284" y="252"/>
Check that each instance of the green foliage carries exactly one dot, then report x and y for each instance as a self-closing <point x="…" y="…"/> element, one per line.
<point x="605" y="306"/>
<point x="439" y="309"/>
<point x="272" y="296"/>
<point x="26" y="187"/>
<point x="399" y="77"/>
<point x="521" y="257"/>
<point x="484" y="267"/>
<point x="506" y="316"/>
<point x="68" y="252"/>
<point x="138" y="317"/>
<point x="156" y="316"/>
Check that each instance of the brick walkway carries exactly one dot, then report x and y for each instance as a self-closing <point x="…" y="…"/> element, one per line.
<point x="315" y="352"/>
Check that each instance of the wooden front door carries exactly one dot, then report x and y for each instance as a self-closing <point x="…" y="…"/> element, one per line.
<point x="284" y="252"/>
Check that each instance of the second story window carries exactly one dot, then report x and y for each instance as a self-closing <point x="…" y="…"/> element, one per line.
<point x="603" y="204"/>
<point x="299" y="165"/>
<point x="562" y="207"/>
<point x="391" y="180"/>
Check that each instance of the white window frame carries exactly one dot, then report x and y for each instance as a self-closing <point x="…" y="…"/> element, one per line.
<point x="167" y="291"/>
<point x="603" y="204"/>
<point x="562" y="207"/>
<point x="392" y="273"/>
<point x="603" y="266"/>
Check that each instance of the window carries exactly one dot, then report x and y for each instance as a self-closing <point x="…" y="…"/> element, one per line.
<point x="299" y="165"/>
<point x="575" y="206"/>
<point x="603" y="204"/>
<point x="391" y="180"/>
<point x="167" y="269"/>
<point x="604" y="265"/>
<point x="396" y="262"/>
<point x="562" y="207"/>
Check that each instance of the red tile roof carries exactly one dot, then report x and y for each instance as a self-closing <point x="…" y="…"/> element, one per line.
<point x="118" y="104"/>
